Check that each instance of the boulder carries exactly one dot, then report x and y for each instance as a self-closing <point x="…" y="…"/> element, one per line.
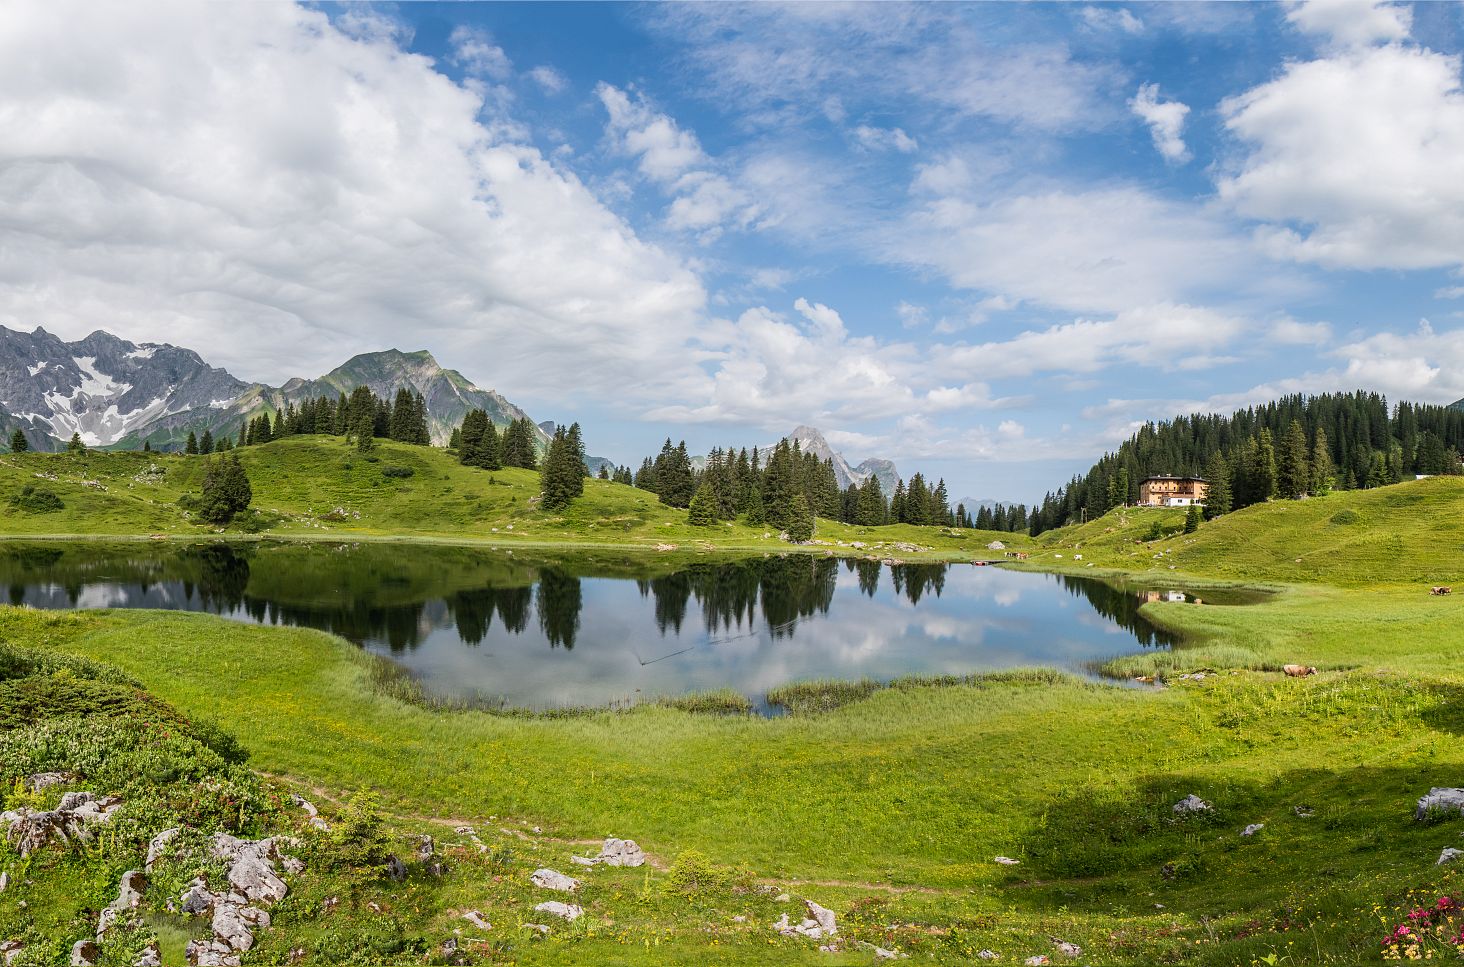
<point x="819" y="923"/>
<point x="1440" y="799"/>
<point x="395" y="868"/>
<point x="158" y="845"/>
<point x="621" y="852"/>
<point x="45" y="780"/>
<point x="1038" y="961"/>
<point x="84" y="953"/>
<point x="129" y="895"/>
<point x="210" y="953"/>
<point x="1192" y="804"/>
<point x="425" y="849"/>
<point x="566" y="911"/>
<point x="310" y="811"/>
<point x="1069" y="950"/>
<point x="28" y="830"/>
<point x="547" y="879"/>
<point x="1252" y="829"/>
<point x="477" y="920"/>
<point x="10" y="951"/>
<point x="234" y="924"/>
<point x="1449" y="855"/>
<point x="151" y="956"/>
<point x="987" y="955"/>
<point x="253" y="875"/>
<point x="197" y="898"/>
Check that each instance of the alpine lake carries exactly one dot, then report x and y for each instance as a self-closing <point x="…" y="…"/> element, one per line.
<point x="538" y="630"/>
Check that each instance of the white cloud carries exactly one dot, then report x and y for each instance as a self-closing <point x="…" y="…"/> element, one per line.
<point x="910" y="315"/>
<point x="1165" y="336"/>
<point x="1112" y="18"/>
<point x="250" y="181"/>
<point x="885" y="139"/>
<point x="1165" y="120"/>
<point x="551" y="80"/>
<point x="476" y="53"/>
<point x="1290" y="332"/>
<point x="1450" y="292"/>
<point x="1353" y="23"/>
<point x="1356" y="160"/>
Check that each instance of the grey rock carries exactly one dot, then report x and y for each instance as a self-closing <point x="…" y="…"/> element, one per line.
<point x="1440" y="799"/>
<point x="1449" y="855"/>
<point x="1007" y="861"/>
<point x="4" y="882"/>
<point x="10" y="951"/>
<point x="477" y="920"/>
<point x="547" y="879"/>
<point x="1252" y="829"/>
<point x="1038" y="961"/>
<point x="158" y="845"/>
<point x="129" y="895"/>
<point x="253" y="875"/>
<point x="425" y="848"/>
<point x="1192" y="804"/>
<point x="1069" y="950"/>
<point x="196" y="899"/>
<point x="45" y="780"/>
<point x="565" y="911"/>
<point x="211" y="953"/>
<point x="621" y="852"/>
<point x="151" y="956"/>
<point x="395" y="868"/>
<point x="987" y="955"/>
<point x="84" y="953"/>
<point x="819" y="923"/>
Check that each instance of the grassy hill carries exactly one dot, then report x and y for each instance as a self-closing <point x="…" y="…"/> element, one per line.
<point x="321" y="486"/>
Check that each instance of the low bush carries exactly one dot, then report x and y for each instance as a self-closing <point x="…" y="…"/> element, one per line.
<point x="31" y="500"/>
<point x="400" y="473"/>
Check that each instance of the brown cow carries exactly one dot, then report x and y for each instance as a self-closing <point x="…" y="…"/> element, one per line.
<point x="1299" y="671"/>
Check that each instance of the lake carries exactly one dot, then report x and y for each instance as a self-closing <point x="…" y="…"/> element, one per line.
<point x="540" y="631"/>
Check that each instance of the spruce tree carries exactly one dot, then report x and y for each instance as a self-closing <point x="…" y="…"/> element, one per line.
<point x="147" y="446"/>
<point x="1217" y="497"/>
<point x="1322" y="472"/>
<point x="1293" y="474"/>
<point x="470" y="437"/>
<point x="1263" y="468"/>
<point x="604" y="473"/>
<point x="226" y="490"/>
<point x="76" y="446"/>
<point x="800" y="521"/>
<point x="490" y="449"/>
<point x="752" y="508"/>
<point x="555" y="473"/>
<point x="1192" y="519"/>
<point x="206" y="443"/>
<point x="18" y="442"/>
<point x="191" y="447"/>
<point x="365" y="431"/>
<point x="703" y="511"/>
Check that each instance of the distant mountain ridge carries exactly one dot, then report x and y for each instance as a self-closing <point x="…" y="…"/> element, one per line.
<point x="116" y="393"/>
<point x="811" y="440"/>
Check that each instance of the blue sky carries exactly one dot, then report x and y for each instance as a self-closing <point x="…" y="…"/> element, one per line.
<point x="985" y="240"/>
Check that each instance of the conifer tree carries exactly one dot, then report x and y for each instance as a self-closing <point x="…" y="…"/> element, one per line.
<point x="753" y="511"/>
<point x="1322" y="471"/>
<point x="470" y="437"/>
<point x="147" y="446"/>
<point x="703" y="509"/>
<point x="800" y="520"/>
<point x="1263" y="468"/>
<point x="1293" y="474"/>
<point x="897" y="503"/>
<point x="490" y="449"/>
<point x="191" y="447"/>
<point x="1192" y="519"/>
<point x="365" y="430"/>
<point x="206" y="443"/>
<point x="76" y="446"/>
<point x="604" y="473"/>
<point x="226" y="490"/>
<point x="1217" y="497"/>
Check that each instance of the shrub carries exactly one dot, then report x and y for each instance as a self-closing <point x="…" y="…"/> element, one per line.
<point x="400" y="473"/>
<point x="33" y="501"/>
<point x="358" y="834"/>
<point x="693" y="872"/>
<point x="1346" y="516"/>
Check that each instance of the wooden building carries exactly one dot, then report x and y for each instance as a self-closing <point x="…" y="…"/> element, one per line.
<point x="1167" y="491"/>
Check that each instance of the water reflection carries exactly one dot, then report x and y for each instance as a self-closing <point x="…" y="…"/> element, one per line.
<point x="542" y="631"/>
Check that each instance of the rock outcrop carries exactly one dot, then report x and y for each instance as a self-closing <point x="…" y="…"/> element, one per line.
<point x="28" y="830"/>
<point x="547" y="879"/>
<point x="615" y="852"/>
<point x="1438" y="799"/>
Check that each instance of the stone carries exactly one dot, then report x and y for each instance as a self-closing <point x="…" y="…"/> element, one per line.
<point x="987" y="955"/>
<point x="1440" y="799"/>
<point x="566" y="911"/>
<point x="1192" y="804"/>
<point x="1038" y="961"/>
<point x="10" y="951"/>
<point x="310" y="811"/>
<point x="1007" y="861"/>
<point x="425" y="848"/>
<point x="28" y="830"/>
<point x="1305" y="812"/>
<point x="4" y="882"/>
<point x="1449" y="855"/>
<point x="824" y="917"/>
<point x="84" y="953"/>
<point x="621" y="852"/>
<point x="477" y="920"/>
<point x="151" y="956"/>
<point x="547" y="879"/>
<point x="1069" y="950"/>
<point x="196" y="899"/>
<point x="158" y="844"/>
<point x="538" y="928"/>
<point x="45" y="780"/>
<point x="234" y="924"/>
<point x="395" y="868"/>
<point x="253" y="875"/>
<point x="1252" y="829"/>
<point x="210" y="953"/>
<point x="782" y="898"/>
<point x="819" y="923"/>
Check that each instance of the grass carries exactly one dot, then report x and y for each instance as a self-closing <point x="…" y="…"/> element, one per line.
<point x="887" y="803"/>
<point x="320" y="487"/>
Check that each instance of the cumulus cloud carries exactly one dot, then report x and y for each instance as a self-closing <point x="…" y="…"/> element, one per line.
<point x="551" y="80"/>
<point x="248" y="180"/>
<point x="1165" y="120"/>
<point x="885" y="139"/>
<point x="1112" y="18"/>
<point x="475" y="52"/>
<point x="1353" y="23"/>
<point x="1355" y="160"/>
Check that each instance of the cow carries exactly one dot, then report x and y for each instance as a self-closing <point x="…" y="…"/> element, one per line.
<point x="1441" y="590"/>
<point x="1299" y="671"/>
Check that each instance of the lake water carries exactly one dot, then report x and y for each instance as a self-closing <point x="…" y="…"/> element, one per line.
<point x="540" y="632"/>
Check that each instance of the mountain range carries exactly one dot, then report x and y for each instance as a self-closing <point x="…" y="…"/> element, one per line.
<point x="119" y="394"/>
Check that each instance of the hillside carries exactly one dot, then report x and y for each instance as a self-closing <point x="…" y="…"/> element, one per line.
<point x="1405" y="534"/>
<point x="321" y="486"/>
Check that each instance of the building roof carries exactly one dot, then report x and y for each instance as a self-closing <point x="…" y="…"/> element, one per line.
<point x="1167" y="476"/>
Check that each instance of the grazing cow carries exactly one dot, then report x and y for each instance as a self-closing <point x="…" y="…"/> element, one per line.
<point x="1441" y="590"/>
<point x="1299" y="671"/>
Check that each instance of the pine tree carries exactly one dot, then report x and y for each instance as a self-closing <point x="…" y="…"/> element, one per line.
<point x="800" y="522"/>
<point x="604" y="473"/>
<point x="18" y="442"/>
<point x="1322" y="472"/>
<point x="365" y="431"/>
<point x="76" y="446"/>
<point x="191" y="447"/>
<point x="1263" y="468"/>
<point x="1192" y="519"/>
<point x="1217" y="497"/>
<point x="557" y="476"/>
<point x="470" y="437"/>
<point x="753" y="511"/>
<point x="147" y="446"/>
<point x="1293" y="476"/>
<point x="206" y="443"/>
<point x="226" y="491"/>
<point x="703" y="510"/>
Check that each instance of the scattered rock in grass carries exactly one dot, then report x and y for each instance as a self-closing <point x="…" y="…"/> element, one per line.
<point x="538" y="928"/>
<point x="45" y="780"/>
<point x="28" y="830"/>
<point x="1305" y="812"/>
<point x="782" y="898"/>
<point x="547" y="879"/>
<point x="1038" y="961"/>
<point x="1252" y="829"/>
<point x="425" y="848"/>
<point x="476" y="919"/>
<point x="739" y="918"/>
<point x="1438" y="799"/>
<point x="615" y="852"/>
<point x="819" y="923"/>
<point x="1069" y="950"/>
<point x="565" y="911"/>
<point x="84" y="953"/>
<point x="1007" y="861"/>
<point x="987" y="955"/>
<point x="4" y="881"/>
<point x="395" y="868"/>
<point x="10" y="951"/>
<point x="210" y="953"/>
<point x="129" y="895"/>
<point x="151" y="956"/>
<point x="310" y="811"/>
<point x="158" y="844"/>
<point x="1449" y="855"/>
<point x="1192" y="804"/>
<point x="880" y="953"/>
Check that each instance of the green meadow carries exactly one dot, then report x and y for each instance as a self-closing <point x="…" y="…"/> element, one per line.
<point x="887" y="804"/>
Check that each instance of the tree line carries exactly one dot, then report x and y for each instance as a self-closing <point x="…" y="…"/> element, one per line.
<point x="1289" y="448"/>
